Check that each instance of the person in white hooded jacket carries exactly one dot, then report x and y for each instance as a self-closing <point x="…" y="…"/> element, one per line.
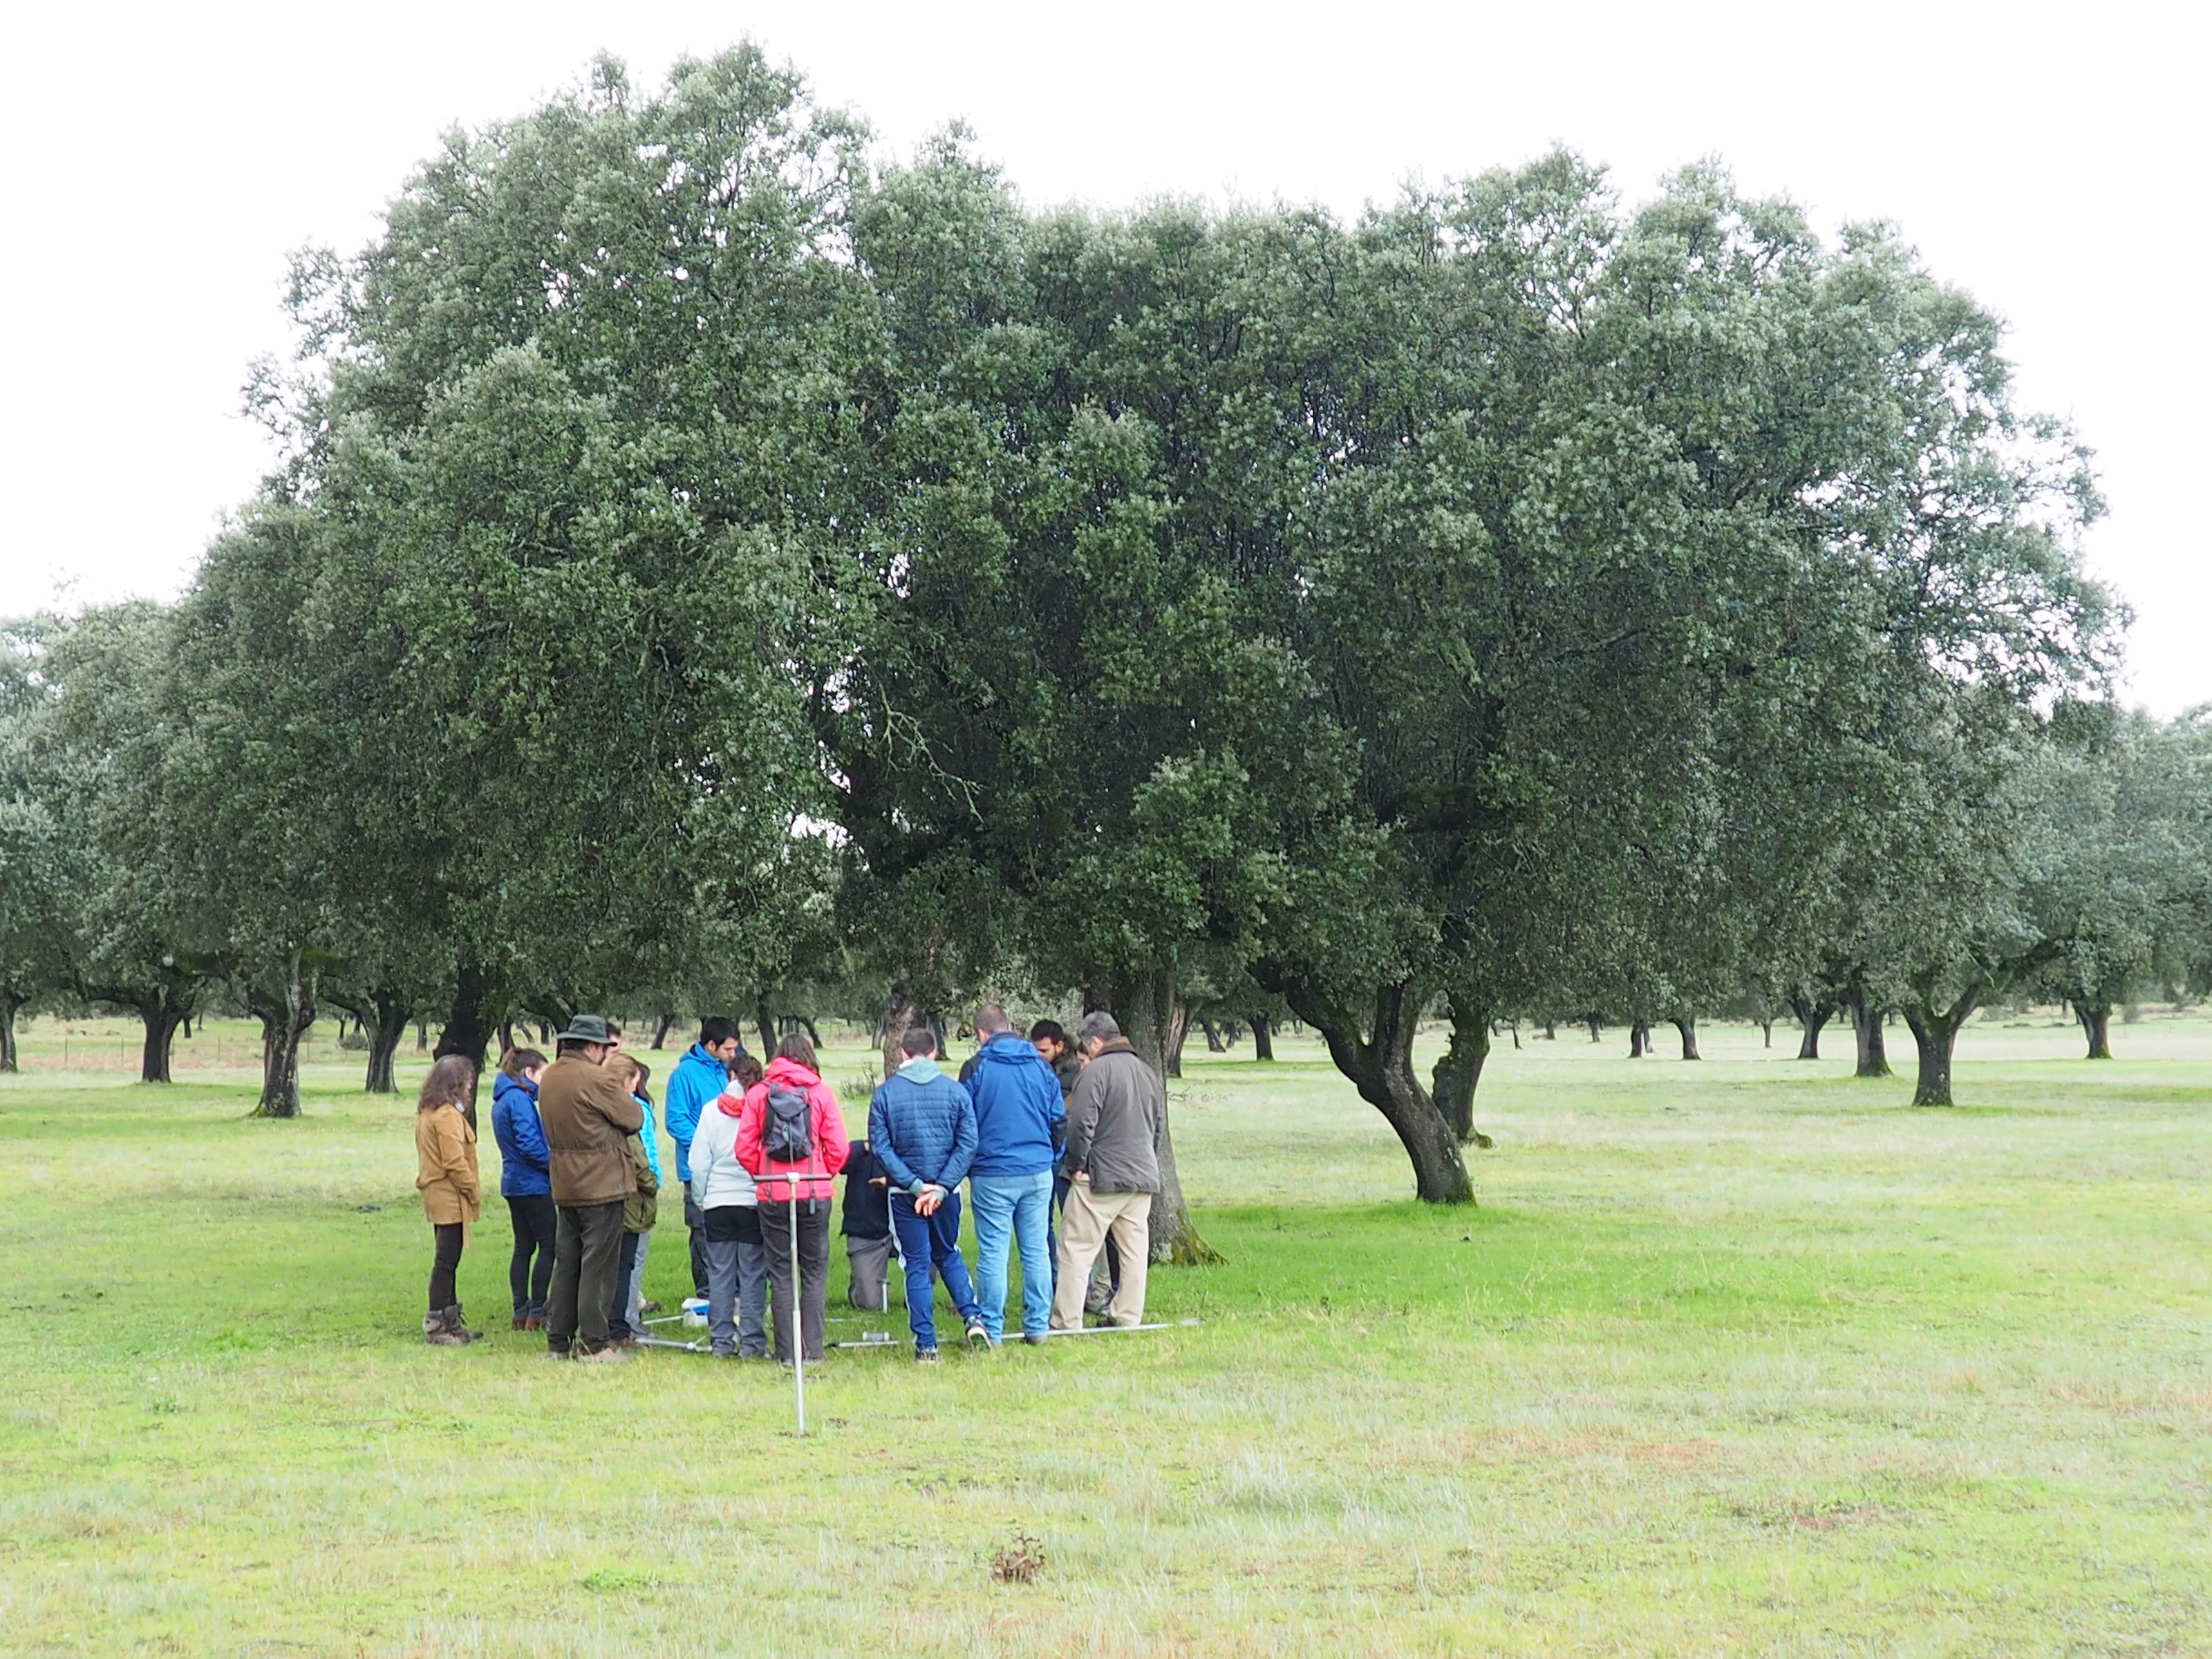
<point x="736" y="1262"/>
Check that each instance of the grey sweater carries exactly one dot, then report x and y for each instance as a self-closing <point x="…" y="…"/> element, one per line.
<point x="1116" y="1123"/>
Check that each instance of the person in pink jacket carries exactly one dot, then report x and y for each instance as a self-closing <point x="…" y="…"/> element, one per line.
<point x="790" y="1126"/>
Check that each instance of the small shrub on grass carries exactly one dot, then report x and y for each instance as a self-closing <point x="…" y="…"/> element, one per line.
<point x="1020" y="1560"/>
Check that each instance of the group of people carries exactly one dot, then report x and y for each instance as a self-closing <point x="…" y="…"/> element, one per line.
<point x="1058" y="1140"/>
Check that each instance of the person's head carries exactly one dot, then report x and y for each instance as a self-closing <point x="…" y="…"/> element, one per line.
<point x="451" y="1082"/>
<point x="797" y="1047"/>
<point x="526" y="1064"/>
<point x="641" y="1074"/>
<point x="1097" y="1029"/>
<point x="919" y="1043"/>
<point x="719" y="1037"/>
<point x="588" y="1038"/>
<point x="1049" y="1038"/>
<point x="990" y="1020"/>
<point x="614" y="1036"/>
<point x="748" y="1071"/>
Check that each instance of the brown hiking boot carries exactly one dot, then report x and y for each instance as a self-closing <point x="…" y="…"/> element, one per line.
<point x="458" y="1326"/>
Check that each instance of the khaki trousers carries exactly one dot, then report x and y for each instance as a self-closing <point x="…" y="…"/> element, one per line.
<point x="1085" y="1222"/>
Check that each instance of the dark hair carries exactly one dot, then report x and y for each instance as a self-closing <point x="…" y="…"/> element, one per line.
<point x="796" y="1047"/>
<point x="1049" y="1030"/>
<point x="515" y="1061"/>
<point x="566" y="1045"/>
<point x="748" y="1071"/>
<point x="919" y="1039"/>
<point x="717" y="1030"/>
<point x="641" y="1077"/>
<point x="453" y="1080"/>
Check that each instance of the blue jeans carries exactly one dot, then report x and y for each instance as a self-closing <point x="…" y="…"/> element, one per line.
<point x="927" y="1242"/>
<point x="1013" y="1209"/>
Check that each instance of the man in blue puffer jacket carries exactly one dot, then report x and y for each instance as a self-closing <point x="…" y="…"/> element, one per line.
<point x="693" y="1086"/>
<point x="922" y="1126"/>
<point x="1020" y="1121"/>
<point x="525" y="1182"/>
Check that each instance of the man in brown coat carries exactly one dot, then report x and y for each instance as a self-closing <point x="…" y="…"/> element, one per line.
<point x="1117" y="1122"/>
<point x="588" y="1116"/>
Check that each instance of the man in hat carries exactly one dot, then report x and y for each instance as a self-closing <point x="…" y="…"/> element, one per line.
<point x="588" y="1116"/>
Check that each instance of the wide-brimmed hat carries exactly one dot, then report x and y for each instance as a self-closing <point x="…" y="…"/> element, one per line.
<point x="588" y="1028"/>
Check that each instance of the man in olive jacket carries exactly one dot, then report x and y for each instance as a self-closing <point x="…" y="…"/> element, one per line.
<point x="1115" y="1123"/>
<point x="589" y="1117"/>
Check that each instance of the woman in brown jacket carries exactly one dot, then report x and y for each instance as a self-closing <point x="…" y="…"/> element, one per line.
<point x="453" y="1196"/>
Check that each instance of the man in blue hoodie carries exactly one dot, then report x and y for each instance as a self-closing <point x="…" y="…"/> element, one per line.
<point x="1020" y="1119"/>
<point x="922" y="1126"/>
<point x="697" y="1083"/>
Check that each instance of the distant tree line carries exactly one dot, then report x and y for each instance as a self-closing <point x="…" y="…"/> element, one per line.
<point x="708" y="572"/>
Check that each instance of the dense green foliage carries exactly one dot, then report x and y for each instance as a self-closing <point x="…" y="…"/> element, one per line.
<point x="708" y="571"/>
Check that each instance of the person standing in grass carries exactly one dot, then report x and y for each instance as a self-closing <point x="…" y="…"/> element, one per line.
<point x="1020" y="1121"/>
<point x="1058" y="1050"/>
<point x="1115" y="1127"/>
<point x="790" y="1127"/>
<point x="588" y="1116"/>
<point x="865" y="1221"/>
<point x="729" y="1205"/>
<point x="922" y="1126"/>
<point x="640" y="1210"/>
<point x="524" y="1183"/>
<point x="453" y="1196"/>
<point x="698" y="1081"/>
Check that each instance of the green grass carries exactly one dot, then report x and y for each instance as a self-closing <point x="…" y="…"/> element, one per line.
<point x="1742" y="1357"/>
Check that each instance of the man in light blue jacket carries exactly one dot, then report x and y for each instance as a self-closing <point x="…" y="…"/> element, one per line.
<point x="1020" y="1120"/>
<point x="922" y="1127"/>
<point x="693" y="1086"/>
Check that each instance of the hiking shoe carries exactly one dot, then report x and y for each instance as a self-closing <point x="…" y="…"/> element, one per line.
<point x="519" y="1322"/>
<point x="533" y="1321"/>
<point x="925" y="1356"/>
<point x="648" y="1306"/>
<point x="1033" y="1338"/>
<point x="435" y="1333"/>
<point x="458" y="1326"/>
<point x="609" y="1355"/>
<point x="978" y="1335"/>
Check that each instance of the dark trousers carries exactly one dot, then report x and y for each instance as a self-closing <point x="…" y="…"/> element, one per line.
<point x="618" y="1326"/>
<point x="695" y="1221"/>
<point x="813" y="1270"/>
<point x="737" y="1281"/>
<point x="930" y="1246"/>
<point x="445" y="1261"/>
<point x="589" y="1244"/>
<point x="530" y="1271"/>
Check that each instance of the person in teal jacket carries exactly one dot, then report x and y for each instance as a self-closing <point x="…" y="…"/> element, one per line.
<point x="700" y="1080"/>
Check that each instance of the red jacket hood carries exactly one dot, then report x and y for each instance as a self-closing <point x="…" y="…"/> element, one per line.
<point x="783" y="1069"/>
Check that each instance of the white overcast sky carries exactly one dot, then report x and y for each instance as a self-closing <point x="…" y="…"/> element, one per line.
<point x="160" y="163"/>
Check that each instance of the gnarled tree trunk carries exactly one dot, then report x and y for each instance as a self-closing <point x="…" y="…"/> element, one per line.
<point x="1214" y="1045"/>
<point x="385" y="1032"/>
<point x="286" y="1011"/>
<point x="2097" y="1025"/>
<point x="10" y="1003"/>
<point x="1263" y="1037"/>
<point x="1688" y="1025"/>
<point x="1811" y="1016"/>
<point x="1639" y="1040"/>
<point x="1866" y="1029"/>
<point x="1149" y="1013"/>
<point x="1458" y="1073"/>
<point x="1377" y="1053"/>
<point x="1935" y="1034"/>
<point x="899" y="1012"/>
<point x="471" y="1019"/>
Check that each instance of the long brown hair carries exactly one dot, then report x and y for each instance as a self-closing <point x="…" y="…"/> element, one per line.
<point x="797" y="1047"/>
<point x="515" y="1061"/>
<point x="451" y="1082"/>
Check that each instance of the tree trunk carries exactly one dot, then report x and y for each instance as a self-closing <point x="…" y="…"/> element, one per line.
<point x="160" y="1020"/>
<point x="1178" y="1029"/>
<point x="285" y="1015"/>
<point x="1551" y="1034"/>
<point x="1458" y="1073"/>
<point x="1866" y="1027"/>
<point x="385" y="1033"/>
<point x="1935" y="1034"/>
<point x="1766" y="1034"/>
<point x="2097" y="1026"/>
<point x="1640" y="1039"/>
<point x="422" y="1036"/>
<point x="1263" y="1037"/>
<point x="1688" y="1025"/>
<point x="1591" y="1020"/>
<point x="1148" y="1010"/>
<point x="1214" y="1045"/>
<point x="902" y="1013"/>
<point x="1811" y="1016"/>
<point x="9" y="1002"/>
<point x="660" y="1030"/>
<point x="469" y="1023"/>
<point x="1380" y="1064"/>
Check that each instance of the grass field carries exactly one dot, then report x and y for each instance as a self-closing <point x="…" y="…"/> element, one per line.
<point x="1742" y="1357"/>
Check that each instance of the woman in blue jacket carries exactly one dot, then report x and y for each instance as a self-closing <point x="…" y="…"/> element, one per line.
<point x="525" y="1182"/>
